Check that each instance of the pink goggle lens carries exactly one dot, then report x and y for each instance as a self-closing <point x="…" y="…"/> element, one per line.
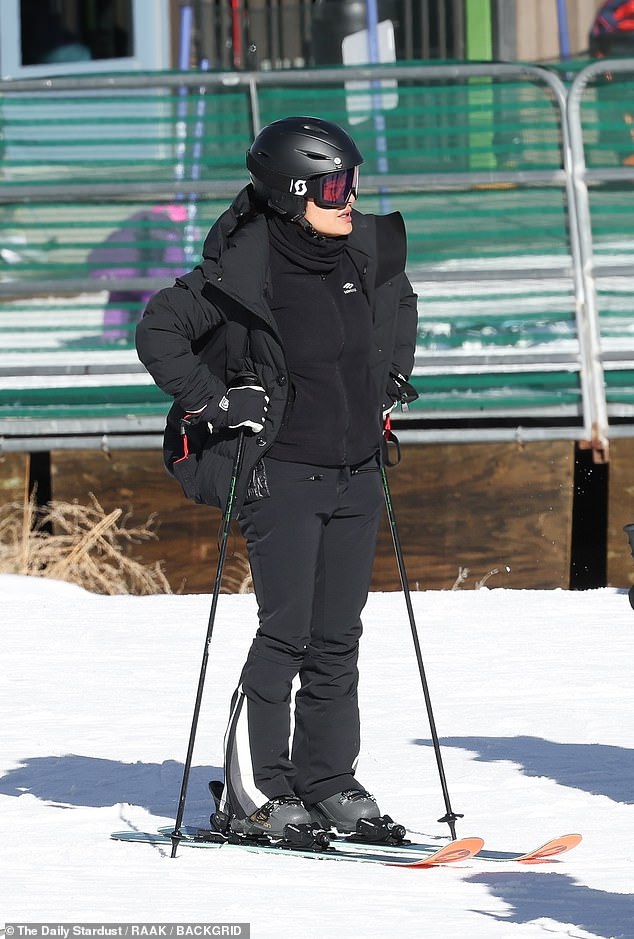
<point x="336" y="188"/>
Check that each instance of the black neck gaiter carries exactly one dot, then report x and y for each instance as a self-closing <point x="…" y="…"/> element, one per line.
<point x="313" y="254"/>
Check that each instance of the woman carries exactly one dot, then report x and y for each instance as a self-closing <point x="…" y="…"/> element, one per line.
<point x="310" y="296"/>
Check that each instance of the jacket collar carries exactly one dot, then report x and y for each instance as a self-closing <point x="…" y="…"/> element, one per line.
<point x="239" y="211"/>
<point x="236" y="254"/>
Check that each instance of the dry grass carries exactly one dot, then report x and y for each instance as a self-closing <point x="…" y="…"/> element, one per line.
<point x="77" y="543"/>
<point x="464" y="573"/>
<point x="237" y="576"/>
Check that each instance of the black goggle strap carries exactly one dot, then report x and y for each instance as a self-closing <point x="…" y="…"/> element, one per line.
<point x="332" y="190"/>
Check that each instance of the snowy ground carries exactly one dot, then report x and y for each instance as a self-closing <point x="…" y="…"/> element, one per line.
<point x="533" y="699"/>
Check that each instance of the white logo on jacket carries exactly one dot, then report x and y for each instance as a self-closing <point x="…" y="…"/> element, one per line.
<point x="349" y="288"/>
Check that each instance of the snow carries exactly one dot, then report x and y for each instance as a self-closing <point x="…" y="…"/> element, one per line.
<point x="532" y="696"/>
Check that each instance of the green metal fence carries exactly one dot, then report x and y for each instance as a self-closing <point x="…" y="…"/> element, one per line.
<point x="109" y="185"/>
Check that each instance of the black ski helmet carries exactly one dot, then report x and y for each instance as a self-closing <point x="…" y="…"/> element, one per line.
<point x="300" y="157"/>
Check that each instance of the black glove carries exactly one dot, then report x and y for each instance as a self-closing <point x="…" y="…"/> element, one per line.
<point x="398" y="391"/>
<point x="242" y="405"/>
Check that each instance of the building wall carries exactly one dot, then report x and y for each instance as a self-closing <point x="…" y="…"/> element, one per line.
<point x="537" y="28"/>
<point x="527" y="30"/>
<point x="498" y="512"/>
<point x="495" y="512"/>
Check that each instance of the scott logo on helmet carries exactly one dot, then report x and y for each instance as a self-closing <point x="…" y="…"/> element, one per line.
<point x="298" y="187"/>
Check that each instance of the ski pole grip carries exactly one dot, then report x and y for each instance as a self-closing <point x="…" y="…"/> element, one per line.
<point x="245" y="377"/>
<point x="390" y="457"/>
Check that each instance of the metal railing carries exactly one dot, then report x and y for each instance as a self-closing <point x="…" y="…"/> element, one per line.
<point x="497" y="146"/>
<point x="592" y="269"/>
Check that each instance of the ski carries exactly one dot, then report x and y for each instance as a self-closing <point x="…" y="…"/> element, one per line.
<point x="410" y="856"/>
<point x="346" y="848"/>
<point x="541" y="855"/>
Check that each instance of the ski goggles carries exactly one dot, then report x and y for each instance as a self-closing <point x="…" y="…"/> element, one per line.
<point x="333" y="191"/>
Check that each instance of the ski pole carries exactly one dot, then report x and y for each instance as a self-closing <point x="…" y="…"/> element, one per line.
<point x="224" y="540"/>
<point x="450" y="816"/>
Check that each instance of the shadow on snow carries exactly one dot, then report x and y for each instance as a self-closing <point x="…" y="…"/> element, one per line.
<point x="70" y="781"/>
<point x="594" y="768"/>
<point x="535" y="896"/>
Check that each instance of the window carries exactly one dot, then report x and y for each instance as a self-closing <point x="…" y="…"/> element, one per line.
<point x="54" y="37"/>
<point x="56" y="31"/>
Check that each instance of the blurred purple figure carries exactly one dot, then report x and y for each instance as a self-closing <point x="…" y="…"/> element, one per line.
<point x="150" y="244"/>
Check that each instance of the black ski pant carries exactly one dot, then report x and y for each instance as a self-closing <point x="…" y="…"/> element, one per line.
<point x="311" y="545"/>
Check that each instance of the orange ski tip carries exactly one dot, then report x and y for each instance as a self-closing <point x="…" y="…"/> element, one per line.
<point x="551" y="849"/>
<point x="458" y="850"/>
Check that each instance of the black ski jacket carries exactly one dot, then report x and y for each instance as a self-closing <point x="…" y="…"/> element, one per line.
<point x="215" y="322"/>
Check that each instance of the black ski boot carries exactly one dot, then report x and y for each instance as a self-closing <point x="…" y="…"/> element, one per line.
<point x="355" y="812"/>
<point x="343" y="810"/>
<point x="272" y="818"/>
<point x="284" y="821"/>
